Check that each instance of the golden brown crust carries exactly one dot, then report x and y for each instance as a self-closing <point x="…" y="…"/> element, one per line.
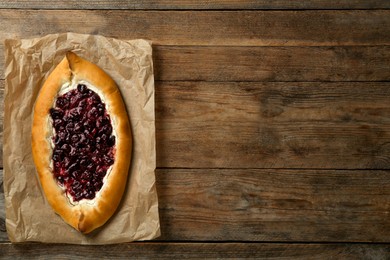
<point x="84" y="217"/>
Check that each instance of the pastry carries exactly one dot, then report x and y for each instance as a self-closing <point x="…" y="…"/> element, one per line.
<point x="81" y="143"/>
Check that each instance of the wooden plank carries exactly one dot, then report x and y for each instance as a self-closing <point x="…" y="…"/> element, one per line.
<point x="272" y="205"/>
<point x="196" y="4"/>
<point x="271" y="125"/>
<point x="160" y="250"/>
<point x="285" y="145"/>
<point x="210" y="63"/>
<point x="239" y="28"/>
<point x="347" y="63"/>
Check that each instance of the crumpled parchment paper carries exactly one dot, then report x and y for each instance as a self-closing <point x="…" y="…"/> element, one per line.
<point x="28" y="62"/>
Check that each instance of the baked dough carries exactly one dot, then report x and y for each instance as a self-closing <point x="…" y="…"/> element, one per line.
<point x="84" y="215"/>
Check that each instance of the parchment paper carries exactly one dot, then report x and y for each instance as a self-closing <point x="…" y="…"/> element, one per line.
<point x="28" y="62"/>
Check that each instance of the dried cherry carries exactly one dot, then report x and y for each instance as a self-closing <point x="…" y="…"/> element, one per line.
<point x="84" y="146"/>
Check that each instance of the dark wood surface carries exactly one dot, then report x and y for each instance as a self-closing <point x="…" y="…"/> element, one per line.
<point x="209" y="28"/>
<point x="191" y="250"/>
<point x="272" y="124"/>
<point x="196" y="4"/>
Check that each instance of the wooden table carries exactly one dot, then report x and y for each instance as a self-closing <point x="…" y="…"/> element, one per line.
<point x="272" y="123"/>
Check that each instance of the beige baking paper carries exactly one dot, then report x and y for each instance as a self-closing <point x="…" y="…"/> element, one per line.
<point x="28" y="62"/>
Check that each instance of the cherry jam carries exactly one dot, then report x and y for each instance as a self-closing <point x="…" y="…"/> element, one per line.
<point x="84" y="145"/>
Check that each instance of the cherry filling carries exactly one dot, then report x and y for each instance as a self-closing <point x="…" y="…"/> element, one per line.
<point x="83" y="142"/>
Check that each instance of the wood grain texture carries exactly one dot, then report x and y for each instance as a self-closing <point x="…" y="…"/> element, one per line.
<point x="347" y="63"/>
<point x="211" y="63"/>
<point x="274" y="205"/>
<point x="271" y="125"/>
<point x="227" y="28"/>
<point x="196" y="4"/>
<point x="271" y="205"/>
<point x="160" y="250"/>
